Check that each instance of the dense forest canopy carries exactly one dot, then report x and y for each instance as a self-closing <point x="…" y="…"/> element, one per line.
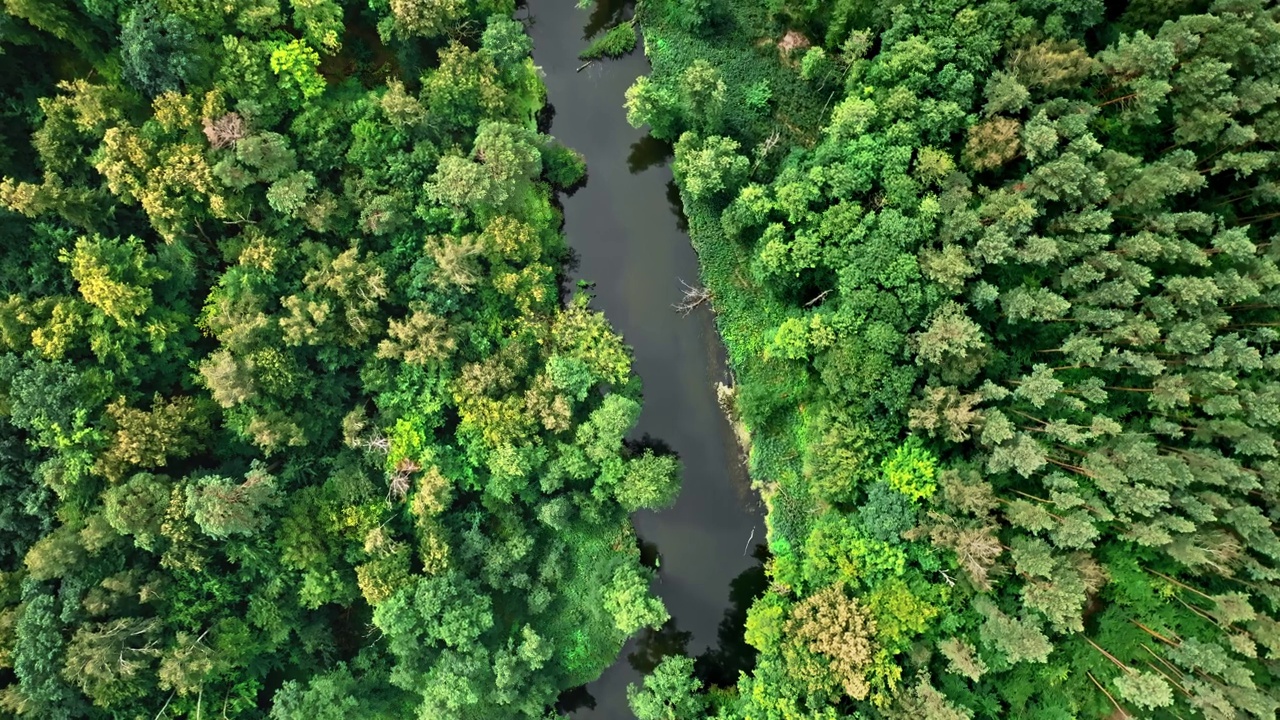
<point x="999" y="283"/>
<point x="296" y="422"/>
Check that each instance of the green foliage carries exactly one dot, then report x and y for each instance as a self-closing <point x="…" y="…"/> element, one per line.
<point x="295" y="64"/>
<point x="616" y="42"/>
<point x="563" y="166"/>
<point x="283" y="358"/>
<point x="160" y="49"/>
<point x="649" y="481"/>
<point x="910" y="470"/>
<point x="964" y="223"/>
<point x="627" y="599"/>
<point x="708" y="168"/>
<point x="671" y="692"/>
<point x="222" y="507"/>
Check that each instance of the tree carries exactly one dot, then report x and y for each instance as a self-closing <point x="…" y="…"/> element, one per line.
<point x="55" y="18"/>
<point x="650" y="481"/>
<point x="223" y="507"/>
<point x="506" y="41"/>
<point x="702" y="95"/>
<point x="425" y="18"/>
<point x="627" y="599"/>
<point x="464" y="90"/>
<point x="421" y="338"/>
<point x="654" y="105"/>
<point x="137" y="507"/>
<point x="296" y="63"/>
<point x="321" y="22"/>
<point x="149" y="439"/>
<point x="339" y="296"/>
<point x="837" y="629"/>
<point x="114" y="276"/>
<point x="670" y="692"/>
<point x="910" y="470"/>
<point x="708" y="168"/>
<point x="57" y="554"/>
<point x="992" y="143"/>
<point x="1021" y="640"/>
<point x="107" y="660"/>
<point x="504" y="160"/>
<point x="160" y="49"/>
<point x="39" y="649"/>
<point x="887" y="514"/>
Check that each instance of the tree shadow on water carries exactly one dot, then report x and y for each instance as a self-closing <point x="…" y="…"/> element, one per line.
<point x="575" y="699"/>
<point x="606" y="14"/>
<point x="659" y="447"/>
<point x="677" y="206"/>
<point x="648" y="553"/>
<point x="648" y="152"/>
<point x="653" y="645"/>
<point x="569" y="264"/>
<point x="721" y="665"/>
<point x="545" y="117"/>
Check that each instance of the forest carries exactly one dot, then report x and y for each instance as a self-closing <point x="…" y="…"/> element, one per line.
<point x="300" y="419"/>
<point x="998" y="282"/>
<point x="296" y="420"/>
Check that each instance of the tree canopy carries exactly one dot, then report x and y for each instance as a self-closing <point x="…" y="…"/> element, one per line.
<point x="294" y="421"/>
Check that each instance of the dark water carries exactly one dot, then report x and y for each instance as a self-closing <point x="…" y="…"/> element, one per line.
<point x="626" y="229"/>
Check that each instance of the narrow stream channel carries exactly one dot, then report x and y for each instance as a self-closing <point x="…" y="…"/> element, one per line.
<point x="625" y="227"/>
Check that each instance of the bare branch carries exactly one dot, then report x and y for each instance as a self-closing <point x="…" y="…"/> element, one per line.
<point x="226" y="130"/>
<point x="818" y="299"/>
<point x="693" y="297"/>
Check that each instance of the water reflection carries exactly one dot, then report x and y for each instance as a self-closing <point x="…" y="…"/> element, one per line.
<point x="719" y="665"/>
<point x="677" y="206"/>
<point x="658" y="446"/>
<point x="648" y="152"/>
<point x="545" y="117"/>
<point x="606" y="14"/>
<point x="653" y="645"/>
<point x="575" y="699"/>
<point x="649" y="555"/>
<point x="722" y="664"/>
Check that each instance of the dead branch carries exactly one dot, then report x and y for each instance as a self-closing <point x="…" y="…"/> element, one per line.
<point x="763" y="150"/>
<point x="818" y="299"/>
<point x="693" y="297"/>
<point x="1121" y="710"/>
<point x="226" y="131"/>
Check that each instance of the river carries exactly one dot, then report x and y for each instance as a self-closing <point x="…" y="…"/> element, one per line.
<point x="626" y="230"/>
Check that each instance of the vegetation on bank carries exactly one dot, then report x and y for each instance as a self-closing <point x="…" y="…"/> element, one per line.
<point x="615" y="42"/>
<point x="998" y="281"/>
<point x="295" y="423"/>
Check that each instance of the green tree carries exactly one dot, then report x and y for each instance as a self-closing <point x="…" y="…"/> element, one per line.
<point x="627" y="599"/>
<point x="670" y="692"/>
<point x="223" y="507"/>
<point x="160" y="50"/>
<point x="708" y="168"/>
